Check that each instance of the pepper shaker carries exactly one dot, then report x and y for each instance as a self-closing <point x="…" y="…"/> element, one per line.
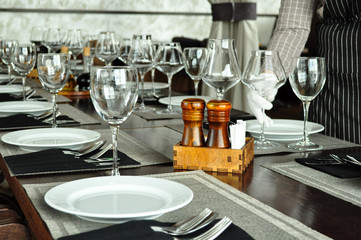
<point x="193" y="115"/>
<point x="218" y="119"/>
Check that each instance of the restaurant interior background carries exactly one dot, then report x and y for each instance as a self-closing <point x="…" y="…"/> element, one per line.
<point x="163" y="19"/>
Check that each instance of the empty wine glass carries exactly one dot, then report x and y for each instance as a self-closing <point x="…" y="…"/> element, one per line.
<point x="194" y="61"/>
<point x="53" y="74"/>
<point x="124" y="50"/>
<point x="36" y="37"/>
<point x="264" y="74"/>
<point x="74" y="42"/>
<point x="53" y="39"/>
<point x="114" y="93"/>
<point x="90" y="41"/>
<point x="169" y="60"/>
<point x="307" y="81"/>
<point x="6" y="54"/>
<point x="155" y="46"/>
<point x="107" y="48"/>
<point x="23" y="59"/>
<point x="221" y="70"/>
<point x="141" y="57"/>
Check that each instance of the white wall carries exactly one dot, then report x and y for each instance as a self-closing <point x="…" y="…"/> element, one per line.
<point x="17" y="25"/>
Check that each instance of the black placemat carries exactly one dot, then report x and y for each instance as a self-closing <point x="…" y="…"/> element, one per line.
<point x="4" y="97"/>
<point x="55" y="161"/>
<point x="340" y="171"/>
<point x="23" y="121"/>
<point x="141" y="230"/>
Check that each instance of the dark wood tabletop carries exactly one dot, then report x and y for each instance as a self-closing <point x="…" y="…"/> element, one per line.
<point x="316" y="209"/>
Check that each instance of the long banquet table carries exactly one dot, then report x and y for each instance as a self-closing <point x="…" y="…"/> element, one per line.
<point x="321" y="211"/>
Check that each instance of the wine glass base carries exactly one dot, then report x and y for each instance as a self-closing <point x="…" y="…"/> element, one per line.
<point x="305" y="146"/>
<point x="167" y="111"/>
<point x="143" y="109"/>
<point x="265" y="145"/>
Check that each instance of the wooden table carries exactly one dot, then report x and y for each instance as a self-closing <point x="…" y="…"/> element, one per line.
<point x="329" y="215"/>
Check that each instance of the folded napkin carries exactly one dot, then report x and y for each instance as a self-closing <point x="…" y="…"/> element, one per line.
<point x="340" y="171"/>
<point x="141" y="230"/>
<point x="20" y="121"/>
<point x="55" y="161"/>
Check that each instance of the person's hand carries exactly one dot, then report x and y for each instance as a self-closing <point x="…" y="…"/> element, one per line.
<point x="256" y="102"/>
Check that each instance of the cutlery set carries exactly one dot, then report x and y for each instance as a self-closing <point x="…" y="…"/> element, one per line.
<point x="336" y="160"/>
<point x="94" y="148"/>
<point x="195" y="223"/>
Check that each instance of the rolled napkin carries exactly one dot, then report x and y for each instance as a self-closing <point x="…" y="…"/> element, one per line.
<point x="336" y="170"/>
<point x="55" y="161"/>
<point x="141" y="230"/>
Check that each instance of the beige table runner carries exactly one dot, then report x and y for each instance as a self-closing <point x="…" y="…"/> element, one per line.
<point x="256" y="218"/>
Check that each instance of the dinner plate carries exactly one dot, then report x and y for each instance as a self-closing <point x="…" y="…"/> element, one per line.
<point x="177" y="100"/>
<point x="34" y="108"/>
<point x="13" y="89"/>
<point x="45" y="138"/>
<point x="283" y="129"/>
<point x="116" y="199"/>
<point x="157" y="86"/>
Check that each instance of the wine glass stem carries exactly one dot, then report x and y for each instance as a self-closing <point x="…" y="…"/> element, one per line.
<point x="306" y="105"/>
<point x="262" y="138"/>
<point x="153" y="76"/>
<point x="23" y="83"/>
<point x="53" y="99"/>
<point x="196" y="83"/>
<point x="170" y="108"/>
<point x="9" y="73"/>
<point x="142" y="105"/>
<point x="115" y="129"/>
<point x="219" y="95"/>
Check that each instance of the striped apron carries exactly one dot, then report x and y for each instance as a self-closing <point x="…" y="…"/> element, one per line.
<point x="338" y="106"/>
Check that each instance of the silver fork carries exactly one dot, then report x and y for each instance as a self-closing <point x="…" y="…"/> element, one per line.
<point x="183" y="227"/>
<point x="94" y="147"/>
<point x="212" y="233"/>
<point x="99" y="154"/>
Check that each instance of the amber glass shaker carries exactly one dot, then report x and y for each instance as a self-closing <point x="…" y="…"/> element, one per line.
<point x="218" y="119"/>
<point x="193" y="115"/>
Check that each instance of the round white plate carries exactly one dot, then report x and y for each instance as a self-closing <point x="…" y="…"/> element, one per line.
<point x="116" y="199"/>
<point x="34" y="108"/>
<point x="157" y="86"/>
<point x="283" y="129"/>
<point x="13" y="89"/>
<point x="45" y="138"/>
<point x="177" y="100"/>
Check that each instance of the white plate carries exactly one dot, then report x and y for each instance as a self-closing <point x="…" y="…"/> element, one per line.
<point x="157" y="86"/>
<point x="177" y="100"/>
<point x="283" y="129"/>
<point x="34" y="108"/>
<point x="5" y="78"/>
<point x="45" y="138"/>
<point x="13" y="89"/>
<point x="116" y="199"/>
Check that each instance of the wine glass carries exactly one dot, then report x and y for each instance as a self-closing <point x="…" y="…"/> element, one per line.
<point x="53" y="39"/>
<point x="307" y="81"/>
<point x="155" y="46"/>
<point x="6" y="54"/>
<point x="53" y="74"/>
<point x="36" y="37"/>
<point x="264" y="74"/>
<point x="169" y="60"/>
<point x="91" y="42"/>
<point x="23" y="59"/>
<point x="124" y="50"/>
<point x="221" y="70"/>
<point x="194" y="61"/>
<point x="75" y="45"/>
<point x="114" y="93"/>
<point x="141" y="57"/>
<point x="107" y="49"/>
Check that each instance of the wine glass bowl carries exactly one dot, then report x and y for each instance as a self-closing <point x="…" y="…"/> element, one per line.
<point x="6" y="46"/>
<point x="221" y="71"/>
<point x="264" y="74"/>
<point x="107" y="49"/>
<point x="53" y="74"/>
<point x="194" y="61"/>
<point x="53" y="39"/>
<point x="307" y="81"/>
<point x="114" y="93"/>
<point x="23" y="59"/>
<point x="169" y="60"/>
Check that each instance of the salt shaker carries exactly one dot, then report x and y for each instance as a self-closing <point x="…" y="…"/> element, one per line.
<point x="193" y="115"/>
<point x="218" y="119"/>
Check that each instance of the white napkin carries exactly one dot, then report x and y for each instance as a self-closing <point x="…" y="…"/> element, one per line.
<point x="238" y="134"/>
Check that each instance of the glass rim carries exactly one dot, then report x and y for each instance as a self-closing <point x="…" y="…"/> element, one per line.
<point x="113" y="67"/>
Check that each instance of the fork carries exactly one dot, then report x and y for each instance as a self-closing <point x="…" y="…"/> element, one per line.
<point x="96" y="146"/>
<point x="184" y="226"/>
<point x="212" y="233"/>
